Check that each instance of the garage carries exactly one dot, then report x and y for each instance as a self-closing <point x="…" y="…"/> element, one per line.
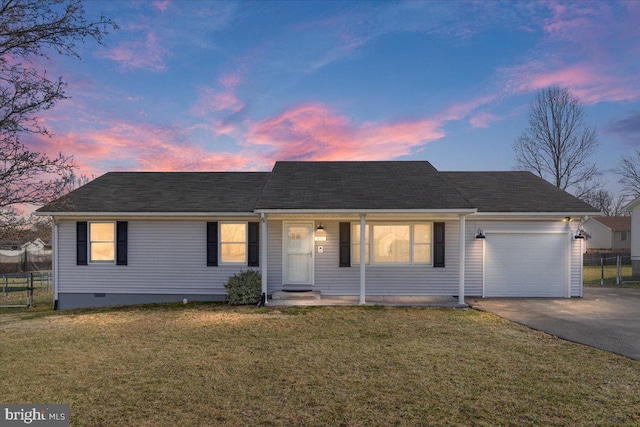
<point x="526" y="265"/>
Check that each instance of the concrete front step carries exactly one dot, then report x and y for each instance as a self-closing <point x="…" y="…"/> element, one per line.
<point x="296" y="295"/>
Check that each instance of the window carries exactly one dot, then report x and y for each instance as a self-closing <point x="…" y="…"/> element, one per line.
<point x="395" y="244"/>
<point x="623" y="236"/>
<point x="355" y="247"/>
<point x="102" y="241"/>
<point x="233" y="243"/>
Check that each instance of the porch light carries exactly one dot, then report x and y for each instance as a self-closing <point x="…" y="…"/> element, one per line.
<point x="320" y="227"/>
<point x="480" y="234"/>
<point x="568" y="219"/>
<point x="579" y="235"/>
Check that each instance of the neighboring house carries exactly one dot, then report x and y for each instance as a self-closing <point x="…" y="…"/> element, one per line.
<point x="609" y="233"/>
<point x="128" y="238"/>
<point x="35" y="247"/>
<point x="634" y="209"/>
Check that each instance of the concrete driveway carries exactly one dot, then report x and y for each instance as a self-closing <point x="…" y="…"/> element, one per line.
<point x="604" y="318"/>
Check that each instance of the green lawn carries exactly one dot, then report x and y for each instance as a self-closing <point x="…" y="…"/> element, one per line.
<point x="211" y="364"/>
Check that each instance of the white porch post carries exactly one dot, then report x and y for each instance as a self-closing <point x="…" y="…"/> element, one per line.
<point x="463" y="227"/>
<point x="263" y="254"/>
<point x="54" y="263"/>
<point x="363" y="252"/>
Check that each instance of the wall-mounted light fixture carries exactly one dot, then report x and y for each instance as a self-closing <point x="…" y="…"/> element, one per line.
<point x="480" y="234"/>
<point x="567" y="219"/>
<point x="579" y="234"/>
<point x="320" y="227"/>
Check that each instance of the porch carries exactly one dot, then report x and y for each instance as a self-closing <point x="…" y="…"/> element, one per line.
<point x="387" y="300"/>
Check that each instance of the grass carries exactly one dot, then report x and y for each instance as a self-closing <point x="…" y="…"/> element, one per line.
<point x="591" y="276"/>
<point x="211" y="364"/>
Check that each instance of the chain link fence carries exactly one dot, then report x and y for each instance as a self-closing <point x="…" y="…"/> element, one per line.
<point x="608" y="269"/>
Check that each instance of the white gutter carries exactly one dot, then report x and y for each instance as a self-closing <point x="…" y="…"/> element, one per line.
<point x="366" y="211"/>
<point x="145" y="214"/>
<point x="538" y="214"/>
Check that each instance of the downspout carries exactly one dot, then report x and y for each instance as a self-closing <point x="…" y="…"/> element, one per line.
<point x="263" y="255"/>
<point x="363" y="261"/>
<point x="54" y="263"/>
<point x="462" y="245"/>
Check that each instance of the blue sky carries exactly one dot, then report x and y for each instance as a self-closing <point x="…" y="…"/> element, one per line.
<point x="198" y="85"/>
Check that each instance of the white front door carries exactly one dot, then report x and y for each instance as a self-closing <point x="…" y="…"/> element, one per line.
<point x="298" y="253"/>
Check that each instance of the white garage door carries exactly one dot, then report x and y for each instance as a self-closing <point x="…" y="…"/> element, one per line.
<point x="526" y="265"/>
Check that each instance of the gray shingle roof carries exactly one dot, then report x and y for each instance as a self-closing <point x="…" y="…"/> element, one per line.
<point x="318" y="186"/>
<point x="165" y="192"/>
<point x="514" y="191"/>
<point x="359" y="185"/>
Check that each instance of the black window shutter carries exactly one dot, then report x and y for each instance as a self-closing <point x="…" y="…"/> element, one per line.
<point x="345" y="244"/>
<point x="81" y="242"/>
<point x="212" y="244"/>
<point x="121" y="242"/>
<point x="254" y="244"/>
<point x="438" y="244"/>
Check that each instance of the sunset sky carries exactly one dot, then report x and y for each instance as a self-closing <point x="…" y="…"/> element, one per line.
<point x="215" y="86"/>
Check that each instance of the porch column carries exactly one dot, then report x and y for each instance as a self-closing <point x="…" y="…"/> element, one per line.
<point x="54" y="263"/>
<point x="263" y="254"/>
<point x="463" y="227"/>
<point x="363" y="252"/>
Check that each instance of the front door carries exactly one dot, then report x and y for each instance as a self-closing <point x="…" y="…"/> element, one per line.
<point x="298" y="253"/>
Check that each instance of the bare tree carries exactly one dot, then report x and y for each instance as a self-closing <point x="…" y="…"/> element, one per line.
<point x="557" y="145"/>
<point x="605" y="202"/>
<point x="629" y="173"/>
<point x="30" y="30"/>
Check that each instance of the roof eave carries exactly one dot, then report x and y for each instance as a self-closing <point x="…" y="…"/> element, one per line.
<point x="462" y="211"/>
<point x="536" y="214"/>
<point x="143" y="214"/>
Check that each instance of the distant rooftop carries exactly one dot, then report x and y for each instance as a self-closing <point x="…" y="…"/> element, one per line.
<point x="615" y="223"/>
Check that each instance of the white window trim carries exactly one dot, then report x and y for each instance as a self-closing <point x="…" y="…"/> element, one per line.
<point x="90" y="242"/>
<point x="411" y="263"/>
<point x="246" y="243"/>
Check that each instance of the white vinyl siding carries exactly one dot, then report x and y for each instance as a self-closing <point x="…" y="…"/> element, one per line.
<point x="635" y="233"/>
<point x="164" y="257"/>
<point x="333" y="280"/>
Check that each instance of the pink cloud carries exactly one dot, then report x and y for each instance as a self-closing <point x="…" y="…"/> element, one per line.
<point x="126" y="146"/>
<point x="589" y="47"/>
<point x="231" y="80"/>
<point x="148" y="54"/>
<point x="161" y="5"/>
<point x="585" y="80"/>
<point x="210" y="101"/>
<point x="483" y="120"/>
<point x="314" y="132"/>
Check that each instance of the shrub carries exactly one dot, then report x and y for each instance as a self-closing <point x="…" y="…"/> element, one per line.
<point x="244" y="288"/>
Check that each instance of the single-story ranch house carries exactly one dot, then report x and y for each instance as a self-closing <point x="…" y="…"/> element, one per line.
<point x="129" y="238"/>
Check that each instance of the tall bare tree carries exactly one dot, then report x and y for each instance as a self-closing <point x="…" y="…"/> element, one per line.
<point x="558" y="144"/>
<point x="30" y="32"/>
<point x="629" y="173"/>
<point x="606" y="202"/>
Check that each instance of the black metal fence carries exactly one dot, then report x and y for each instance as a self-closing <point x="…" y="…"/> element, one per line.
<point x="17" y="289"/>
